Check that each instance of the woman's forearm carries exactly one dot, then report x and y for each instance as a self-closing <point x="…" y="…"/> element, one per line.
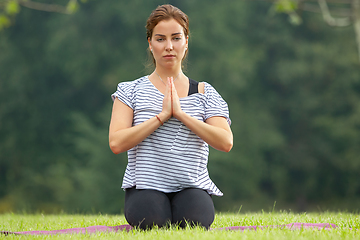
<point x="124" y="139"/>
<point x="216" y="131"/>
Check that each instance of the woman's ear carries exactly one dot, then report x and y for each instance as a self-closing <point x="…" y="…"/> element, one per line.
<point x="150" y="48"/>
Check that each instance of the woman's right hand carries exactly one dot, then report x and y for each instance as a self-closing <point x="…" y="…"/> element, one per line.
<point x="166" y="112"/>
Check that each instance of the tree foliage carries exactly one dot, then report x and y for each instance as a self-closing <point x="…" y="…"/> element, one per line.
<point x="347" y="12"/>
<point x="293" y="94"/>
<point x="10" y="8"/>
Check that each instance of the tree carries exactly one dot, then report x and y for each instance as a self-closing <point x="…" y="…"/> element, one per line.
<point x="293" y="95"/>
<point x="10" y="8"/>
<point x="346" y="12"/>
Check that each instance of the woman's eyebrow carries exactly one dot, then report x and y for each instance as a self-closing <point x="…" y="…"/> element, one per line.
<point x="161" y="35"/>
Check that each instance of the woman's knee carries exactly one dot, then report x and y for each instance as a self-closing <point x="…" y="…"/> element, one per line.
<point x="146" y="208"/>
<point x="193" y="206"/>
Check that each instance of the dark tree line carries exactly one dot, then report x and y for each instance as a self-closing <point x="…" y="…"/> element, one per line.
<point x="293" y="93"/>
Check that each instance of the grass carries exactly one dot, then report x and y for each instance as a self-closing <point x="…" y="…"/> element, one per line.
<point x="345" y="221"/>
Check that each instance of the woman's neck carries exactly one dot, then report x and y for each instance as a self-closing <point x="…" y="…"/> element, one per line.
<point x="165" y="73"/>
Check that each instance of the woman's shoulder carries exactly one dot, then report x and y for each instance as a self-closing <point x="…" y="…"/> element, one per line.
<point x="134" y="82"/>
<point x="209" y="90"/>
<point x="205" y="88"/>
<point x="131" y="86"/>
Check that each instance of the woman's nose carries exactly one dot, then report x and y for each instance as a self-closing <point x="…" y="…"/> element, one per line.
<point x="169" y="45"/>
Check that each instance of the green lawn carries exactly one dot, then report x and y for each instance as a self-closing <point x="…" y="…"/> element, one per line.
<point x="17" y="222"/>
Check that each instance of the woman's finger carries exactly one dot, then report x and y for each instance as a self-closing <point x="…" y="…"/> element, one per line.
<point x="176" y="107"/>
<point x="167" y="105"/>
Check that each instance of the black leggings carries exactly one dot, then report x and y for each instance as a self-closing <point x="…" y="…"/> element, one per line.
<point x="146" y="208"/>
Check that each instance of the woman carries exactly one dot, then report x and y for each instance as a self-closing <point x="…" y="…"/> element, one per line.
<point x="166" y="121"/>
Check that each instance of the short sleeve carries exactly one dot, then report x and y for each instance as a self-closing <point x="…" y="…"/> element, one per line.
<point x="215" y="105"/>
<point x="125" y="92"/>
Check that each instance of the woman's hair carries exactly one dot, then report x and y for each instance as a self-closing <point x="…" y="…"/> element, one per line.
<point x="166" y="12"/>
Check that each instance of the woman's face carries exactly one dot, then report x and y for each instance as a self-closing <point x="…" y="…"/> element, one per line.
<point x="168" y="43"/>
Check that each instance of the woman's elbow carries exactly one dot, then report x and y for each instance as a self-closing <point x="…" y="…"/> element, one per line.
<point x="228" y="146"/>
<point x="115" y="147"/>
<point x="228" y="143"/>
<point x="225" y="146"/>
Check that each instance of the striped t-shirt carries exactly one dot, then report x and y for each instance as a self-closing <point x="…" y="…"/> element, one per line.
<point x="172" y="157"/>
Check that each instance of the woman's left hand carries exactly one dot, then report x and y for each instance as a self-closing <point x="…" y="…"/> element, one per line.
<point x="176" y="107"/>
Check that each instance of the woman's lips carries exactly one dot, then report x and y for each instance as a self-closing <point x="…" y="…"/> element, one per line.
<point x="169" y="56"/>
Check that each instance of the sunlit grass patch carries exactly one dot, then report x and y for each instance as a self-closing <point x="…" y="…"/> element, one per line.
<point x="345" y="221"/>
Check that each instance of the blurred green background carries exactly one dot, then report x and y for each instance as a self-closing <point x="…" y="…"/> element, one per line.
<point x="293" y="93"/>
